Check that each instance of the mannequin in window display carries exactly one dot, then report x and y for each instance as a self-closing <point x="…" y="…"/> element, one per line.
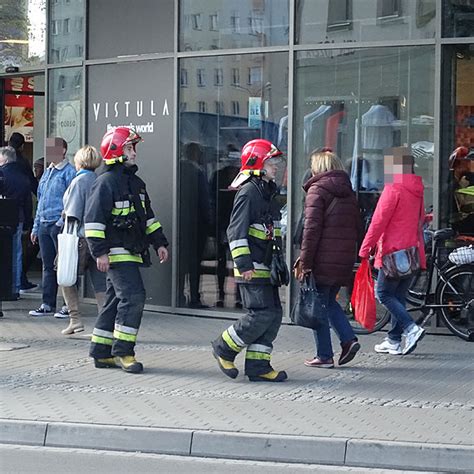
<point x="194" y="222"/>
<point x="222" y="209"/>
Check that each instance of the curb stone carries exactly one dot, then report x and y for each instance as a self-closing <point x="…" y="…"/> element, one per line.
<point x="254" y="446"/>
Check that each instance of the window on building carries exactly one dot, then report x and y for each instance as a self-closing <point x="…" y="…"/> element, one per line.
<point x="389" y="8"/>
<point x="201" y="77"/>
<point x="183" y="106"/>
<point x="255" y="75"/>
<point x="219" y="107"/>
<point x="235" y="107"/>
<point x="64" y="53"/>
<point x="235" y="23"/>
<point x="66" y="26"/>
<point x="256" y="23"/>
<point x="339" y="14"/>
<point x="78" y="79"/>
<point x="196" y="21"/>
<point x="218" y="77"/>
<point x="55" y="27"/>
<point x="79" y="23"/>
<point x="183" y="77"/>
<point x="202" y="107"/>
<point x="79" y="51"/>
<point x="61" y="82"/>
<point x="213" y="22"/>
<point x="54" y="55"/>
<point x="235" y="76"/>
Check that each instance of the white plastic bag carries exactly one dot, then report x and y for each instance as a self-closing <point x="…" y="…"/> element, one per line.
<point x="462" y="255"/>
<point x="68" y="253"/>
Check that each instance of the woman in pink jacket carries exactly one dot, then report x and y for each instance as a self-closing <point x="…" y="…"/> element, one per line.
<point x="397" y="225"/>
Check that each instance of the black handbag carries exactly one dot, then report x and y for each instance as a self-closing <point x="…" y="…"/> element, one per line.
<point x="309" y="310"/>
<point x="279" y="274"/>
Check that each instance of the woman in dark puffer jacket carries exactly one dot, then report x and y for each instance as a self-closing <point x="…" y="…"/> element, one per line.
<point x="328" y="250"/>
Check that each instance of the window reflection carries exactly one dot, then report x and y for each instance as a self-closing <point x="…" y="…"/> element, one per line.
<point x="329" y="21"/>
<point x="359" y="103"/>
<point x="216" y="119"/>
<point x="22" y="33"/>
<point x="66" y="35"/>
<point x="458" y="18"/>
<point x="221" y="24"/>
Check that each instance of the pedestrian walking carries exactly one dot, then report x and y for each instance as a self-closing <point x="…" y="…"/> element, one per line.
<point x="254" y="235"/>
<point x="332" y="228"/>
<point x="52" y="186"/>
<point x="86" y="161"/>
<point x="119" y="227"/>
<point x="15" y="185"/>
<point x="397" y="225"/>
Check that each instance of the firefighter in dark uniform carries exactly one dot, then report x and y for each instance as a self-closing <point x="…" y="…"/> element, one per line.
<point x="119" y="227"/>
<point x="254" y="236"/>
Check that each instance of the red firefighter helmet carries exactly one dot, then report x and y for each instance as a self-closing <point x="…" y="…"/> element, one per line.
<point x="113" y="142"/>
<point x="254" y="154"/>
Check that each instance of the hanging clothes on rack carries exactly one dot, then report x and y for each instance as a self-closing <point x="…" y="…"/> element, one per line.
<point x="315" y="127"/>
<point x="376" y="134"/>
<point x="332" y="129"/>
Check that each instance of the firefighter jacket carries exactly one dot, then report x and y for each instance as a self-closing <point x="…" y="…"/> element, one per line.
<point x="119" y="220"/>
<point x="254" y="229"/>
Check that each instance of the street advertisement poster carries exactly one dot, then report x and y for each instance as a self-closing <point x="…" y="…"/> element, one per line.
<point x="19" y="107"/>
<point x="140" y="96"/>
<point x="255" y="112"/>
<point x="68" y="123"/>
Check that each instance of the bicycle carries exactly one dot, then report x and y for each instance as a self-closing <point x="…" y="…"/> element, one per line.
<point x="452" y="299"/>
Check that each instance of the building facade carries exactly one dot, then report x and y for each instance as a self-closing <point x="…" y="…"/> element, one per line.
<point x="198" y="79"/>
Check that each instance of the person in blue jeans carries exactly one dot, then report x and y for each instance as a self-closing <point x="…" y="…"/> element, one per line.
<point x="15" y="185"/>
<point x="332" y="227"/>
<point x="47" y="225"/>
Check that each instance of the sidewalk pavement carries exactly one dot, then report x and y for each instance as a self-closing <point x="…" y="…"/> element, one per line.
<point x="410" y="412"/>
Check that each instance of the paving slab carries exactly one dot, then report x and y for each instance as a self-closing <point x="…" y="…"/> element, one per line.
<point x="426" y="397"/>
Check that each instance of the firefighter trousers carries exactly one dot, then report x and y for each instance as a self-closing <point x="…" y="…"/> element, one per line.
<point x="116" y="328"/>
<point x="255" y="331"/>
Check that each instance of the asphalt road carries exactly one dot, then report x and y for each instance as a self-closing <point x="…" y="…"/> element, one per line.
<point x="28" y="459"/>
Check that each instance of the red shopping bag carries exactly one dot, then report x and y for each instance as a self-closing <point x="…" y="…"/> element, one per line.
<point x="363" y="297"/>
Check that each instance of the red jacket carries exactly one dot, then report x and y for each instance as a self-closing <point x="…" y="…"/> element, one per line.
<point x="397" y="220"/>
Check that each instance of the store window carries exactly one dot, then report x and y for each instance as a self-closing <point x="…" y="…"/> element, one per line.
<point x="66" y="35"/>
<point x="22" y="33"/>
<point x="360" y="103"/>
<point x="121" y="28"/>
<point x="210" y="140"/>
<point x="457" y="126"/>
<point x="458" y="18"/>
<point x="349" y="21"/>
<point x="65" y="106"/>
<point x="242" y="24"/>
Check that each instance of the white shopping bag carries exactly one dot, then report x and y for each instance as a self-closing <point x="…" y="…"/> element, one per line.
<point x="68" y="242"/>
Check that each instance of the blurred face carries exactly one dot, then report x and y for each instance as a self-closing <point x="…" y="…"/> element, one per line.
<point x="396" y="164"/>
<point x="55" y="151"/>
<point x="130" y="153"/>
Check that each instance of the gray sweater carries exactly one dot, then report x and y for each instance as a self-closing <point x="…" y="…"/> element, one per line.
<point x="75" y="197"/>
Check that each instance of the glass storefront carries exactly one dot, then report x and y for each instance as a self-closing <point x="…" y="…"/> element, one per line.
<point x="66" y="32"/>
<point x="200" y="79"/>
<point x="347" y="21"/>
<point x="22" y="33"/>
<point x="224" y="102"/>
<point x="223" y="24"/>
<point x="65" y="106"/>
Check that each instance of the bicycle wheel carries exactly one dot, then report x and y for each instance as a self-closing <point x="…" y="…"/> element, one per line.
<point x="456" y="293"/>
<point x="344" y="299"/>
<point x="416" y="292"/>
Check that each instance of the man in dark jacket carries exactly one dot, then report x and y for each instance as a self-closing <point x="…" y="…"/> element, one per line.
<point x="119" y="227"/>
<point x="254" y="235"/>
<point x="17" y="141"/>
<point x="16" y="186"/>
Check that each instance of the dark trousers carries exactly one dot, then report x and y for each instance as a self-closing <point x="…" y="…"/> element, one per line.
<point x="256" y="330"/>
<point x="116" y="328"/>
<point x="48" y="242"/>
<point x="29" y="256"/>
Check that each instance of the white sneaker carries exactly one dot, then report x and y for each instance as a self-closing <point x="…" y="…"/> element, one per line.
<point x="387" y="347"/>
<point x="412" y="338"/>
<point x="63" y="313"/>
<point x="43" y="310"/>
